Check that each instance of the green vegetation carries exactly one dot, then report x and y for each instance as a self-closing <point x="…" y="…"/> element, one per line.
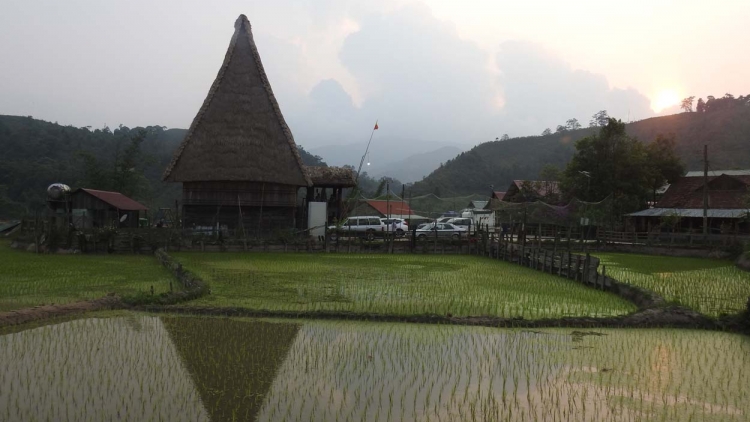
<point x="28" y="279"/>
<point x="172" y="368"/>
<point x="393" y="284"/>
<point x="36" y="153"/>
<point x="711" y="287"/>
<point x="498" y="163"/>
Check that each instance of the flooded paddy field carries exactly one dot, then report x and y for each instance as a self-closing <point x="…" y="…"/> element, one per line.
<point x="130" y="366"/>
<point x="393" y="285"/>
<point x="710" y="286"/>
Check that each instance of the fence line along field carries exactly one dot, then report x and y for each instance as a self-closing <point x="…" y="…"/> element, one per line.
<point x="152" y="368"/>
<point x="394" y="285"/>
<point x="712" y="287"/>
<point x="28" y="279"/>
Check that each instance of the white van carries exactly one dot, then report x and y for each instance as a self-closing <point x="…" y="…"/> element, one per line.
<point x="368" y="226"/>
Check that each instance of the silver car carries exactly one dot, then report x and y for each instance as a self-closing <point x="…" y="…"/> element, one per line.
<point x="442" y="230"/>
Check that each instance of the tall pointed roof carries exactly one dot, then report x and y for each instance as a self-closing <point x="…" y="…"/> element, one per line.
<point x="239" y="134"/>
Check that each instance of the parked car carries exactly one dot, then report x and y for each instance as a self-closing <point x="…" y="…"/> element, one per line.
<point x="442" y="230"/>
<point x="464" y="223"/>
<point x="439" y="220"/>
<point x="368" y="226"/>
<point x="399" y="224"/>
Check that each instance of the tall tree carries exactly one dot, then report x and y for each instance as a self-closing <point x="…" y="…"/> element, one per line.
<point x="560" y="129"/>
<point x="664" y="165"/>
<point x="505" y="137"/>
<point x="610" y="163"/>
<point x="700" y="107"/>
<point x="546" y="132"/>
<point x="599" y="119"/>
<point x="572" y="124"/>
<point x="687" y="104"/>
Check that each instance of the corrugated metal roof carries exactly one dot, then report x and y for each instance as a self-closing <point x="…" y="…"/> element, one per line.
<point x="478" y="204"/>
<point x="699" y="173"/>
<point x="116" y="199"/>
<point x="396" y="207"/>
<point x="689" y="212"/>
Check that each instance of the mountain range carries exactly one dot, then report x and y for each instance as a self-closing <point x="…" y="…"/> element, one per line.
<point x="726" y="131"/>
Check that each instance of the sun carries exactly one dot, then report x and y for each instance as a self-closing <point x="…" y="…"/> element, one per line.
<point x="664" y="99"/>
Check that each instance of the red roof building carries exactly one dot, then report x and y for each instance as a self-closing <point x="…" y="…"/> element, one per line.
<point x="384" y="209"/>
<point x="99" y="208"/>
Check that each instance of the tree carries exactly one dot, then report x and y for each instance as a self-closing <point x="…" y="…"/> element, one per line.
<point x="599" y="119"/>
<point x="701" y="106"/>
<point x="610" y="163"/>
<point x="550" y="173"/>
<point x="687" y="104"/>
<point x="664" y="165"/>
<point x="505" y="137"/>
<point x="546" y="132"/>
<point x="572" y="124"/>
<point x="560" y="129"/>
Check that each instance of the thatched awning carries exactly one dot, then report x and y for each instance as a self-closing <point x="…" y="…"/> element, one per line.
<point x="332" y="177"/>
<point x="239" y="134"/>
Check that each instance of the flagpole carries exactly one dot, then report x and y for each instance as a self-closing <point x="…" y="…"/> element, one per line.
<point x="362" y="161"/>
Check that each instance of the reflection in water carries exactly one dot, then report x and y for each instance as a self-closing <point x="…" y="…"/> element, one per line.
<point x="402" y="372"/>
<point x="232" y="362"/>
<point x="96" y="370"/>
<point x="146" y="368"/>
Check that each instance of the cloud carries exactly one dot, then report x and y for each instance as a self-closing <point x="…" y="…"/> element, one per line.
<point x="542" y="90"/>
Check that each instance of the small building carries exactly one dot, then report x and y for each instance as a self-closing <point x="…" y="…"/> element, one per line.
<point x="385" y="209"/>
<point x="728" y="204"/>
<point x="532" y="191"/>
<point x="497" y="195"/>
<point x="91" y="208"/>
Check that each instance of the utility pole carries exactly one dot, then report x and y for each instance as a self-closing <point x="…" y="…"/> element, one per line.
<point x="705" y="190"/>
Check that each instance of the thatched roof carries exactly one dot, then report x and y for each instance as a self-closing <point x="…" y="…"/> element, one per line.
<point x="239" y="134"/>
<point x="332" y="177"/>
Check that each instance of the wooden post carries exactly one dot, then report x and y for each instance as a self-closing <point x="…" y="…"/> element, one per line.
<point x="604" y="276"/>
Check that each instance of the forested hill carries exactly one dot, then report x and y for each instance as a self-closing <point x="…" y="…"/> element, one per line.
<point x="36" y="153"/>
<point x="726" y="131"/>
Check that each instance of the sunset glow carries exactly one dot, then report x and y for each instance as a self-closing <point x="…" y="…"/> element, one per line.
<point x="665" y="99"/>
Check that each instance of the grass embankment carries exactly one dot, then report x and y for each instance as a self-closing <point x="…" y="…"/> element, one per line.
<point x="28" y="279"/>
<point x="394" y="285"/>
<point x="711" y="287"/>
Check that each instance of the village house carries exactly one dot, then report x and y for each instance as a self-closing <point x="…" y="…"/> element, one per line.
<point x="532" y="191"/>
<point x="239" y="165"/>
<point x="682" y="204"/>
<point x="91" y="208"/>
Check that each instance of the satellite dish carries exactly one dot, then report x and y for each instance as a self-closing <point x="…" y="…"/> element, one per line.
<point x="123" y="218"/>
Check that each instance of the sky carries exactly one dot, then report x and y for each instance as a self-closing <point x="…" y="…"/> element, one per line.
<point x="439" y="72"/>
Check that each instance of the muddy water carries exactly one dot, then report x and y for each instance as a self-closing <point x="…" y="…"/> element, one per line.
<point x="188" y="368"/>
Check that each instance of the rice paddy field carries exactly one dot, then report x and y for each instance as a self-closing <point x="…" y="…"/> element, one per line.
<point x="129" y="366"/>
<point x="28" y="279"/>
<point x="394" y="285"/>
<point x="712" y="287"/>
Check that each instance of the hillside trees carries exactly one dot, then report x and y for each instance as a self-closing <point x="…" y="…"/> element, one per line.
<point x="599" y="119"/>
<point x="613" y="163"/>
<point x="687" y="104"/>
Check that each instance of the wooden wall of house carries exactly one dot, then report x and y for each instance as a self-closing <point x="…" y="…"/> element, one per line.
<point x="267" y="222"/>
<point x="100" y="213"/>
<point x="239" y="193"/>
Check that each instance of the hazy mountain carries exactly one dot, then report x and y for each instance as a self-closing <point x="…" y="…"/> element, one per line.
<point x="383" y="152"/>
<point x="416" y="166"/>
<point x="725" y="128"/>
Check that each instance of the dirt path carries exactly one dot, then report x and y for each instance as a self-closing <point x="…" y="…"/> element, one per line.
<point x="22" y="316"/>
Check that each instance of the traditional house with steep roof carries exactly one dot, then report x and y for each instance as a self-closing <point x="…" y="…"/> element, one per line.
<point x="238" y="164"/>
<point x="728" y="203"/>
<point x="532" y="190"/>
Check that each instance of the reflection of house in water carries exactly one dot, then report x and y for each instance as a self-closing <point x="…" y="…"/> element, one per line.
<point x="97" y="208"/>
<point x="238" y="164"/>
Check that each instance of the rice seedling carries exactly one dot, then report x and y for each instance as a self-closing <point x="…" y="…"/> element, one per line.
<point x="393" y="284"/>
<point x="712" y="287"/>
<point x="28" y="279"/>
<point x="140" y="367"/>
